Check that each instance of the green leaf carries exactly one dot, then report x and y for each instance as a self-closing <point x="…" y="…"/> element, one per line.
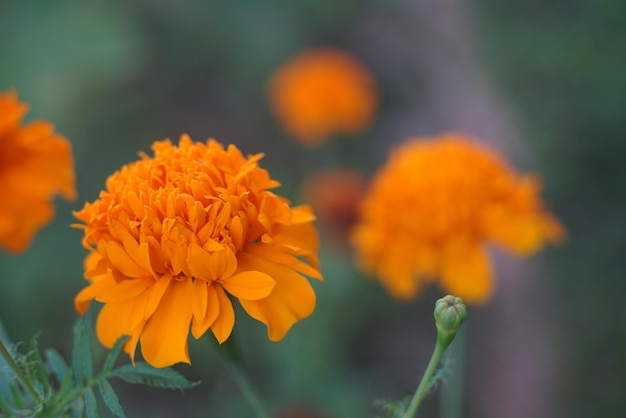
<point x="82" y="352"/>
<point x="114" y="354"/>
<point x="91" y="407"/>
<point x="18" y="398"/>
<point x="110" y="399"/>
<point x="161" y="378"/>
<point x="4" y="407"/>
<point x="40" y="368"/>
<point x="58" y="367"/>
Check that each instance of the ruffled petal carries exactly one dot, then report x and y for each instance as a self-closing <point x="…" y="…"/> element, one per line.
<point x="121" y="318"/>
<point x="198" y="328"/>
<point x="291" y="300"/>
<point x="165" y="334"/>
<point x="251" y="285"/>
<point x="225" y="321"/>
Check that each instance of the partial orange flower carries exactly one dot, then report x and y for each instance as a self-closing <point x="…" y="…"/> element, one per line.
<point x="174" y="237"/>
<point x="35" y="165"/>
<point x="335" y="195"/>
<point x="433" y="209"/>
<point x="322" y="92"/>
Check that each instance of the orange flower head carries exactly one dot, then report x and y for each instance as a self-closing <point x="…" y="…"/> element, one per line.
<point x="35" y="164"/>
<point x="320" y="93"/>
<point x="435" y="206"/>
<point x="174" y="235"/>
<point x="334" y="195"/>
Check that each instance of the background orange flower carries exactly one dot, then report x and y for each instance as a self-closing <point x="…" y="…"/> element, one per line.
<point x="322" y="92"/>
<point x="335" y="195"/>
<point x="435" y="206"/>
<point x="174" y="235"/>
<point x="35" y="164"/>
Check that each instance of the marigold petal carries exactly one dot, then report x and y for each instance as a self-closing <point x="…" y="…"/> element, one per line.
<point x="291" y="300"/>
<point x="251" y="285"/>
<point x="223" y="325"/>
<point x="126" y="289"/>
<point x="156" y="294"/>
<point x="118" y="256"/>
<point x="198" y="328"/>
<point x="198" y="262"/>
<point x="281" y="257"/>
<point x="299" y="237"/>
<point x="199" y="300"/>
<point x="302" y="214"/>
<point x="466" y="273"/>
<point x="98" y="285"/>
<point x="165" y="334"/>
<point x="120" y="318"/>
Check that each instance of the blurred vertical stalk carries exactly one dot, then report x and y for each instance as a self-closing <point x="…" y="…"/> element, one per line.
<point x="232" y="359"/>
<point x="451" y="399"/>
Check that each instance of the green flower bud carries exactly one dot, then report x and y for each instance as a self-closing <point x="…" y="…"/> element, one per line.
<point x="450" y="313"/>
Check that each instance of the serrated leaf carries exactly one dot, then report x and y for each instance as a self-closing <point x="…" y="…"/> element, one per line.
<point x="110" y="399"/>
<point x="56" y="364"/>
<point x="143" y="373"/>
<point x="91" y="407"/>
<point x="40" y="368"/>
<point x="114" y="354"/>
<point x="18" y="398"/>
<point x="4" y="407"/>
<point x="82" y="351"/>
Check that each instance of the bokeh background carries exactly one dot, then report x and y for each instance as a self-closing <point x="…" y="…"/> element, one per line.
<point x="542" y="82"/>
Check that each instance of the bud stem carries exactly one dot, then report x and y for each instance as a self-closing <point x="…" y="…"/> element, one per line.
<point x="450" y="313"/>
<point x="424" y="385"/>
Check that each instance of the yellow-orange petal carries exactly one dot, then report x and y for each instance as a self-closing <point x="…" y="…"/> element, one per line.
<point x="291" y="300"/>
<point x="97" y="286"/>
<point x="281" y="257"/>
<point x="118" y="319"/>
<point x="156" y="294"/>
<point x="251" y="285"/>
<point x="165" y="334"/>
<point x="199" y="327"/>
<point x="118" y="256"/>
<point x="299" y="237"/>
<point x="466" y="272"/>
<point x="223" y="325"/>
<point x="124" y="290"/>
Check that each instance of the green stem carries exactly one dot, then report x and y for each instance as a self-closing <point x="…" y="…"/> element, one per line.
<point x="424" y="386"/>
<point x="452" y="392"/>
<point x="19" y="374"/>
<point x="233" y="363"/>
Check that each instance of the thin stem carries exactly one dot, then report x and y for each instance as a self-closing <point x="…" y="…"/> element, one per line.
<point x="247" y="389"/>
<point x="452" y="392"/>
<point x="233" y="362"/>
<point x="19" y="374"/>
<point x="424" y="386"/>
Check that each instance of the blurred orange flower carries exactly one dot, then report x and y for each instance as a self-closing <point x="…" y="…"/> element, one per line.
<point x="322" y="92"/>
<point x="173" y="235"/>
<point x="335" y="195"/>
<point x="432" y="210"/>
<point x="35" y="164"/>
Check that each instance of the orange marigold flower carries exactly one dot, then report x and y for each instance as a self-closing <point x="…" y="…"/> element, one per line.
<point x="35" y="164"/>
<point x="432" y="210"/>
<point x="173" y="235"/>
<point x="335" y="195"/>
<point x="320" y="93"/>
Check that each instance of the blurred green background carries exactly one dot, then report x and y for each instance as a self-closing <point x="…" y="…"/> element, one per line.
<point x="542" y="82"/>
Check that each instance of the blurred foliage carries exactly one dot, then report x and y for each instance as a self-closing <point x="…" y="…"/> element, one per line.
<point x="115" y="76"/>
